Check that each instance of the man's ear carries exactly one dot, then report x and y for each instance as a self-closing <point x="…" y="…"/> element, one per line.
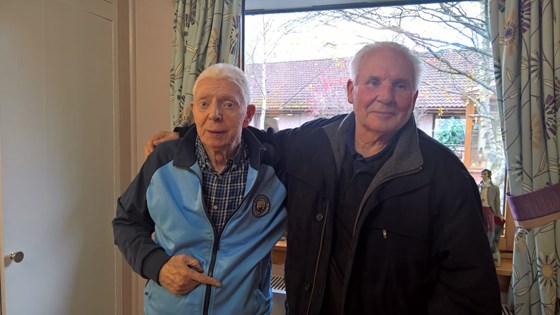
<point x="414" y="97"/>
<point x="349" y="90"/>
<point x="251" y="109"/>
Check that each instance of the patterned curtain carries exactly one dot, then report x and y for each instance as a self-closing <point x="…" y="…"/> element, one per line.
<point x="205" y="32"/>
<point x="526" y="49"/>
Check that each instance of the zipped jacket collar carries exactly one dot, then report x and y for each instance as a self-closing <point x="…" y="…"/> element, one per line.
<point x="405" y="158"/>
<point x="185" y="156"/>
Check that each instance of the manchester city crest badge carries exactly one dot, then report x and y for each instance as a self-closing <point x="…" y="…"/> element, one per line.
<point x="261" y="206"/>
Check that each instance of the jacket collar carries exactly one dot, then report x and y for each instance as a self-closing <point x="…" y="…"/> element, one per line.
<point x="337" y="133"/>
<point x="185" y="155"/>
<point x="405" y="158"/>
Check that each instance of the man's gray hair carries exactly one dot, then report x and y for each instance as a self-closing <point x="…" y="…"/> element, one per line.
<point x="417" y="65"/>
<point x="228" y="72"/>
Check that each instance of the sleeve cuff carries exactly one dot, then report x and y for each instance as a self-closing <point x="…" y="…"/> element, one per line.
<point x="153" y="263"/>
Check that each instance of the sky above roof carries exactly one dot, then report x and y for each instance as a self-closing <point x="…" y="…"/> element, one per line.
<point x="314" y="39"/>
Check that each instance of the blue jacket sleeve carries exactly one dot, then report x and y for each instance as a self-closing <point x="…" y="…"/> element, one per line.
<point x="133" y="225"/>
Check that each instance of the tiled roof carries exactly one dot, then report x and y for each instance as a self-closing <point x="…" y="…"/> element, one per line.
<point x="447" y="90"/>
<point x="319" y="86"/>
<point x="309" y="85"/>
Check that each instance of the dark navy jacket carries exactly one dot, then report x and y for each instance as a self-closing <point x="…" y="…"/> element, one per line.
<point x="419" y="246"/>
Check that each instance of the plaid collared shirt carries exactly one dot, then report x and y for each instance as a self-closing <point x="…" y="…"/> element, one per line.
<point x="223" y="192"/>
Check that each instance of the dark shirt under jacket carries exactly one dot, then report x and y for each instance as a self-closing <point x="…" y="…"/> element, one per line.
<point x="357" y="174"/>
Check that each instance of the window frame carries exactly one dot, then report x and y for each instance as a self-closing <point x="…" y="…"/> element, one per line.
<point x="251" y="7"/>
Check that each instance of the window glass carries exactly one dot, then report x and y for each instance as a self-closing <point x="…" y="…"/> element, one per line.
<point x="297" y="64"/>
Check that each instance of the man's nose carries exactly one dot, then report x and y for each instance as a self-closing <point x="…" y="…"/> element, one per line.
<point x="215" y="111"/>
<point x="386" y="94"/>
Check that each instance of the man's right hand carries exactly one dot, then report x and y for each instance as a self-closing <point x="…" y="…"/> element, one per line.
<point x="158" y="138"/>
<point x="182" y="273"/>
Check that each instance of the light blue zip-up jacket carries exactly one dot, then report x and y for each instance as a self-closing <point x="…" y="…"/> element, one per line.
<point x="166" y="198"/>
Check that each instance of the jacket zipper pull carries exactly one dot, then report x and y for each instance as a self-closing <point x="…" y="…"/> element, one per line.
<point x="384" y="234"/>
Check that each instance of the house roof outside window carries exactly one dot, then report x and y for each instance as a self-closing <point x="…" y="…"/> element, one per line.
<point x="318" y="86"/>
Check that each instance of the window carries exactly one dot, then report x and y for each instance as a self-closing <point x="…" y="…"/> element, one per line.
<point x="297" y="66"/>
<point x="450" y="131"/>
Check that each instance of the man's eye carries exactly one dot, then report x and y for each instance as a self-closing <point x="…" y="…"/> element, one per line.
<point x="202" y="104"/>
<point x="373" y="82"/>
<point x="401" y="86"/>
<point x="228" y="105"/>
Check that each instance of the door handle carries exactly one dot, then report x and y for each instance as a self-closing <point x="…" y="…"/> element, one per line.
<point x="16" y="256"/>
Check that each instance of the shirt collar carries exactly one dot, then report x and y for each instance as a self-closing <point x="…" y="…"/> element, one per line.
<point x="359" y="161"/>
<point x="351" y="147"/>
<point x="204" y="162"/>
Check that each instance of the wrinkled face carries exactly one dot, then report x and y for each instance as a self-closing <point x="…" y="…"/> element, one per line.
<point x="383" y="95"/>
<point x="219" y="114"/>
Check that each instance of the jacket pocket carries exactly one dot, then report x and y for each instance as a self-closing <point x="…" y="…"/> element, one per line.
<point x="263" y="303"/>
<point x="263" y="293"/>
<point x="390" y="268"/>
<point x="397" y="245"/>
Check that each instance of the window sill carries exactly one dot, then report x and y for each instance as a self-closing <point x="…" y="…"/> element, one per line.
<point x="279" y="253"/>
<point x="504" y="271"/>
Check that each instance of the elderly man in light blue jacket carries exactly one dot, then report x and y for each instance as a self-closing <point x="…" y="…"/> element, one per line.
<point x="216" y="207"/>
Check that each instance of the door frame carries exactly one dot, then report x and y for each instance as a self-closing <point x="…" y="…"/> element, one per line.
<point x="128" y="286"/>
<point x="143" y="88"/>
<point x="2" y="275"/>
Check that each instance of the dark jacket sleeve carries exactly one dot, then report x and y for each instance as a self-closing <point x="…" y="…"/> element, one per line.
<point x="284" y="139"/>
<point x="468" y="283"/>
<point x="182" y="130"/>
<point x="133" y="226"/>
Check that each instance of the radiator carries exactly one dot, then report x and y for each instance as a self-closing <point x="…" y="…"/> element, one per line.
<point x="278" y="295"/>
<point x="277" y="284"/>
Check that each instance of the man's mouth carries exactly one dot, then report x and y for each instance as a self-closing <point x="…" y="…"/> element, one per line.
<point x="382" y="113"/>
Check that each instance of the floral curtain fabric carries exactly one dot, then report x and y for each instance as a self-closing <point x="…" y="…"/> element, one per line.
<point x="205" y="32"/>
<point x="526" y="48"/>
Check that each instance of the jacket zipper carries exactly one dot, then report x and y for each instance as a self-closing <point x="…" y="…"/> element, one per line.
<point x="318" y="258"/>
<point x="215" y="246"/>
<point x="211" y="273"/>
<point x="360" y="210"/>
<point x="214" y="249"/>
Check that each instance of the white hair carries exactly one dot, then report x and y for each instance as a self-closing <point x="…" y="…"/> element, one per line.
<point x="417" y="66"/>
<point x="228" y="72"/>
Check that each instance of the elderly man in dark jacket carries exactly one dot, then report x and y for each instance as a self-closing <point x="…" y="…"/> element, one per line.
<point x="382" y="219"/>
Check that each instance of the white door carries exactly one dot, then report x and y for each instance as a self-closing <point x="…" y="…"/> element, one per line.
<point x="58" y="100"/>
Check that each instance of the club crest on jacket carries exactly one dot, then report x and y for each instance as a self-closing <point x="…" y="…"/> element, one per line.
<point x="261" y="206"/>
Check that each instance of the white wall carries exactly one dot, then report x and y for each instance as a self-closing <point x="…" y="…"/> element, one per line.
<point x="148" y="56"/>
<point x="152" y="43"/>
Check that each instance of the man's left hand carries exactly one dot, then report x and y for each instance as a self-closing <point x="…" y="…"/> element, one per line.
<point x="182" y="273"/>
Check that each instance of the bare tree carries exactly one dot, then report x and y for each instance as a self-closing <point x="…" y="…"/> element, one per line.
<point x="471" y="64"/>
<point x="261" y="49"/>
<point x="470" y="41"/>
